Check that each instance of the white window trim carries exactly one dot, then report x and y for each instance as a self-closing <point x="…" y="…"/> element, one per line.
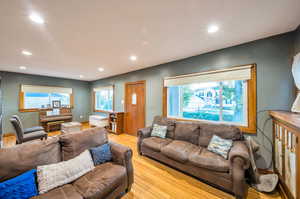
<point x="98" y="89"/>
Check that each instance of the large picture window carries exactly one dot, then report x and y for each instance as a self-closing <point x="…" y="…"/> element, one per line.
<point x="34" y="98"/>
<point x="103" y="99"/>
<point x="215" y="101"/>
<point x="44" y="100"/>
<point x="225" y="96"/>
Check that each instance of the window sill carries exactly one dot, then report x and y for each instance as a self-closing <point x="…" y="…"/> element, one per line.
<point x="103" y="111"/>
<point x="244" y="129"/>
<point x="38" y="110"/>
<point x="30" y="110"/>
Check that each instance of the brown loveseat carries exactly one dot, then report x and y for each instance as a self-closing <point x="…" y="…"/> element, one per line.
<point x="108" y="180"/>
<point x="185" y="148"/>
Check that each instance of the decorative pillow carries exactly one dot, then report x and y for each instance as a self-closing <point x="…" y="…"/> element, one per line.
<point x="163" y="121"/>
<point x="220" y="146"/>
<point x="54" y="175"/>
<point x="159" y="131"/>
<point x="225" y="131"/>
<point x="21" y="187"/>
<point x="101" y="154"/>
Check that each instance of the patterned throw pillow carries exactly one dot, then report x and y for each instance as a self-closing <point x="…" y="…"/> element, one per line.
<point x="21" y="187"/>
<point x="101" y="154"/>
<point x="220" y="146"/>
<point x="159" y="131"/>
<point x="54" y="175"/>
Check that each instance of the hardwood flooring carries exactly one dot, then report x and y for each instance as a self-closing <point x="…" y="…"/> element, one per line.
<point x="153" y="180"/>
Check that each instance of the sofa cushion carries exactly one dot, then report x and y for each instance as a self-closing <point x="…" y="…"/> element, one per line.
<point x="222" y="130"/>
<point x="34" y="135"/>
<point x="54" y="175"/>
<point x="179" y="150"/>
<point x="163" y="121"/>
<point x="205" y="159"/>
<point x="155" y="143"/>
<point x="187" y="131"/>
<point x="76" y="142"/>
<point x="23" y="157"/>
<point x="65" y="192"/>
<point x="101" y="181"/>
<point x="33" y="129"/>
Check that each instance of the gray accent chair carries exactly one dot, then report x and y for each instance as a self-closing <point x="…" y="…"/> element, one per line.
<point x="22" y="137"/>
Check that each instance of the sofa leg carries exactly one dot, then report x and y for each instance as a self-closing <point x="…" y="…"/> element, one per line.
<point x="128" y="189"/>
<point x="139" y="152"/>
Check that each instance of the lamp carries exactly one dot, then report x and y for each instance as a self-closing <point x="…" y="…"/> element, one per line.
<point x="296" y="75"/>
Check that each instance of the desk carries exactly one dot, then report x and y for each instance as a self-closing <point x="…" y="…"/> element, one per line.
<point x="55" y="120"/>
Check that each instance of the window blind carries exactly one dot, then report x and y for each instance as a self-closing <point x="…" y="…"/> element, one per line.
<point x="236" y="73"/>
<point x="103" y="88"/>
<point x="45" y="89"/>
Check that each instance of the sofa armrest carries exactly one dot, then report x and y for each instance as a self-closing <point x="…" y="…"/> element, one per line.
<point x="239" y="161"/>
<point x="122" y="155"/>
<point x="142" y="134"/>
<point x="240" y="151"/>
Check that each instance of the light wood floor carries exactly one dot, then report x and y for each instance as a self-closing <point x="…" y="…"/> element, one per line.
<point x="153" y="180"/>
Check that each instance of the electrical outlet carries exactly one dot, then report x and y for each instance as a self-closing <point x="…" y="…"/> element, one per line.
<point x="80" y="116"/>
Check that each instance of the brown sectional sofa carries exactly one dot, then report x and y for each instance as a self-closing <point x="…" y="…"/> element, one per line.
<point x="109" y="180"/>
<point x="185" y="148"/>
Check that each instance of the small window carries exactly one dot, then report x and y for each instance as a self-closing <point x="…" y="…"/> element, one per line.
<point x="223" y="96"/>
<point x="33" y="98"/>
<point x="103" y="98"/>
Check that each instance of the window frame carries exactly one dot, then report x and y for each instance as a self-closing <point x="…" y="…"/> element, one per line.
<point x="113" y="101"/>
<point x="22" y="102"/>
<point x="251" y="105"/>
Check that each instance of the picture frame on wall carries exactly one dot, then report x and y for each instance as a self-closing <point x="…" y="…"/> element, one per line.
<point x="56" y="104"/>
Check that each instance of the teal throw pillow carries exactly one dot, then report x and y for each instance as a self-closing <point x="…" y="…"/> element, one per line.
<point x="159" y="131"/>
<point x="220" y="146"/>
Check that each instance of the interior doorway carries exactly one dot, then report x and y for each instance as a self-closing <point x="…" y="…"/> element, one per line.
<point x="135" y="101"/>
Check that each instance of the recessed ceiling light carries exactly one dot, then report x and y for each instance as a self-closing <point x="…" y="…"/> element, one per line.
<point x="25" y="52"/>
<point x="80" y="76"/>
<point x="23" y="67"/>
<point x="212" y="29"/>
<point x="145" y="43"/>
<point x="101" y="69"/>
<point x="133" y="58"/>
<point x="36" y="18"/>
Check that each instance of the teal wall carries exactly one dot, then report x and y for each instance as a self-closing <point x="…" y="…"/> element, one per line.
<point x="10" y="86"/>
<point x="275" y="87"/>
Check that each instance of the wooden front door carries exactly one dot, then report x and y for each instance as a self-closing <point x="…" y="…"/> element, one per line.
<point x="135" y="101"/>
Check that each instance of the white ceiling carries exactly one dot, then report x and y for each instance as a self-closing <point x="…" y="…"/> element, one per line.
<point x="79" y="36"/>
